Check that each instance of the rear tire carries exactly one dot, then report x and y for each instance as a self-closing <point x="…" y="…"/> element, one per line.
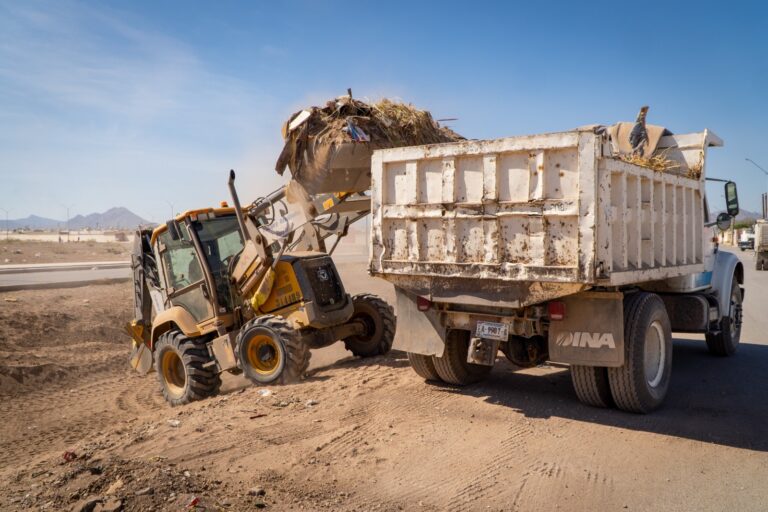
<point x="270" y="351"/>
<point x="453" y="367"/>
<point x="591" y="385"/>
<point x="641" y="384"/>
<point x="423" y="366"/>
<point x="380" y="323"/>
<point x="726" y="342"/>
<point x="179" y="363"/>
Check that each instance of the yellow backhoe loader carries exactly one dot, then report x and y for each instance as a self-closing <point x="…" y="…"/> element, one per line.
<point x="249" y="289"/>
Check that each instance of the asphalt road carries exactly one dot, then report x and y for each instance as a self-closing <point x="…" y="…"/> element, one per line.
<point x="47" y="278"/>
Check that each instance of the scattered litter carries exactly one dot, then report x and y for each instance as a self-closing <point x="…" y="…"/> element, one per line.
<point x="193" y="502"/>
<point x="257" y="491"/>
<point x="69" y="456"/>
<point x="312" y="402"/>
<point x="11" y="299"/>
<point x="282" y="404"/>
<point x="86" y="301"/>
<point x="257" y="415"/>
<point x="264" y="392"/>
<point x="145" y="491"/>
<point x="187" y="474"/>
<point x="174" y="423"/>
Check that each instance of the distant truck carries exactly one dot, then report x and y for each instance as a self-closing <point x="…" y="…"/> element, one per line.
<point x="549" y="247"/>
<point x="761" y="244"/>
<point x="747" y="240"/>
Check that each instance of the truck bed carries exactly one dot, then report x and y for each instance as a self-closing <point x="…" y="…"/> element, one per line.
<point x="552" y="213"/>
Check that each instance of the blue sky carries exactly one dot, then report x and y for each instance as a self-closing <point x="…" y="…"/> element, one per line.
<point x="141" y="104"/>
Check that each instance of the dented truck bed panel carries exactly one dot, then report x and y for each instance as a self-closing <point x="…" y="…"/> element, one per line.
<point x="550" y="208"/>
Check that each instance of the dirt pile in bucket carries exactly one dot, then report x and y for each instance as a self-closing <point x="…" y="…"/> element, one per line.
<point x="341" y="136"/>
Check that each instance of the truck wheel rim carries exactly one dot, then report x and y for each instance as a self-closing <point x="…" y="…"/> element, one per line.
<point x="264" y="354"/>
<point x="655" y="354"/>
<point x="735" y="315"/>
<point x="173" y="374"/>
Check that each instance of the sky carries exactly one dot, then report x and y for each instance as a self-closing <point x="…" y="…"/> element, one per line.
<point x="147" y="105"/>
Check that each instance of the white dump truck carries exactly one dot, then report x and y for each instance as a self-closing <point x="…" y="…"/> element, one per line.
<point x="761" y="244"/>
<point x="552" y="248"/>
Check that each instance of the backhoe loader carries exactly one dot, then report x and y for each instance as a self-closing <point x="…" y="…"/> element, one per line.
<point x="249" y="289"/>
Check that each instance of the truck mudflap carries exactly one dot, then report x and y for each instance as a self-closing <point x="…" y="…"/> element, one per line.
<point x="591" y="332"/>
<point x="418" y="332"/>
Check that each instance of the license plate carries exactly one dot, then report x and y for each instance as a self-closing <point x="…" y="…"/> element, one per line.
<point x="492" y="331"/>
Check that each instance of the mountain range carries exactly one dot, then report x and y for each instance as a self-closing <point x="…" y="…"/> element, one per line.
<point x="114" y="218"/>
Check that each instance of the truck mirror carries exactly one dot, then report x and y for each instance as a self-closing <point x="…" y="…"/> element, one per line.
<point x="173" y="230"/>
<point x="731" y="199"/>
<point x="723" y="221"/>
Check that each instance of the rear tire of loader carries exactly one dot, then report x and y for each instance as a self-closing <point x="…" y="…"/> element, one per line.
<point x="452" y="367"/>
<point x="270" y="351"/>
<point x="380" y="323"/>
<point x="591" y="385"/>
<point x="179" y="363"/>
<point x="423" y="366"/>
<point x="641" y="384"/>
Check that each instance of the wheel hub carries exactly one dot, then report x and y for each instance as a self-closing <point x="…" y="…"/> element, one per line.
<point x="174" y="376"/>
<point x="654" y="354"/>
<point x="264" y="355"/>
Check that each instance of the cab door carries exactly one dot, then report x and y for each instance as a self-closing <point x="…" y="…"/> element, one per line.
<point x="183" y="276"/>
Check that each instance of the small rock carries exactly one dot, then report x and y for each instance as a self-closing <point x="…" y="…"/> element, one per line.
<point x="86" y="505"/>
<point x="260" y="504"/>
<point x="264" y="392"/>
<point x="113" y="505"/>
<point x="283" y="404"/>
<point x="117" y="484"/>
<point x="187" y="474"/>
<point x="174" y="423"/>
<point x="257" y="491"/>
<point x="37" y="255"/>
<point x="312" y="402"/>
<point x="145" y="491"/>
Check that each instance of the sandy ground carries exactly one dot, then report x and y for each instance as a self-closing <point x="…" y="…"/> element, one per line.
<point x="26" y="251"/>
<point x="363" y="435"/>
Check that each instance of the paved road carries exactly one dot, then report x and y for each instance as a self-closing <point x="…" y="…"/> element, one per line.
<point x="47" y="278"/>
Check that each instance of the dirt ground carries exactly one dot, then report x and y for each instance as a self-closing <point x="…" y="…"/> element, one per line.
<point x="359" y="435"/>
<point x="29" y="251"/>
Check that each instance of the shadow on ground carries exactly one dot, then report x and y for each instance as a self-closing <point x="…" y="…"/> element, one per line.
<point x="711" y="399"/>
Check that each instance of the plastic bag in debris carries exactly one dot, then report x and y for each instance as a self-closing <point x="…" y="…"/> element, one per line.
<point x="328" y="149"/>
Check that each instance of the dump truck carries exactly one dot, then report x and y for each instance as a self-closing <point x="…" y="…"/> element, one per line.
<point x="761" y="244"/>
<point x="555" y="247"/>
<point x="248" y="290"/>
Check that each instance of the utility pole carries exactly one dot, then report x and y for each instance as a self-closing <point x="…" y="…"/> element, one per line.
<point x="171" y="205"/>
<point x="6" y="222"/>
<point x="764" y="197"/>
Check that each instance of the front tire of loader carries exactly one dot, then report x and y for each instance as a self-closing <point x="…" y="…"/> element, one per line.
<point x="423" y="366"/>
<point x="452" y="367"/>
<point x="180" y="365"/>
<point x="380" y="324"/>
<point x="270" y="351"/>
<point x="591" y="385"/>
<point x="641" y="384"/>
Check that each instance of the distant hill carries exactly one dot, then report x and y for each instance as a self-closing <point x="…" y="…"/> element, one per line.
<point x="114" y="218"/>
<point x="743" y="214"/>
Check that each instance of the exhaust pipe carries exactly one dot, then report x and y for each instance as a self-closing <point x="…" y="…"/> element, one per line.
<point x="236" y="203"/>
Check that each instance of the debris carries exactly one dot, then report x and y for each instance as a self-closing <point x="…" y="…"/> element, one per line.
<point x="193" y="502"/>
<point x="316" y="136"/>
<point x="174" y="423"/>
<point x="257" y="491"/>
<point x="264" y="392"/>
<point x="312" y="402"/>
<point x="187" y="474"/>
<point x="257" y="415"/>
<point x="69" y="456"/>
<point x="145" y="491"/>
<point x="11" y="299"/>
